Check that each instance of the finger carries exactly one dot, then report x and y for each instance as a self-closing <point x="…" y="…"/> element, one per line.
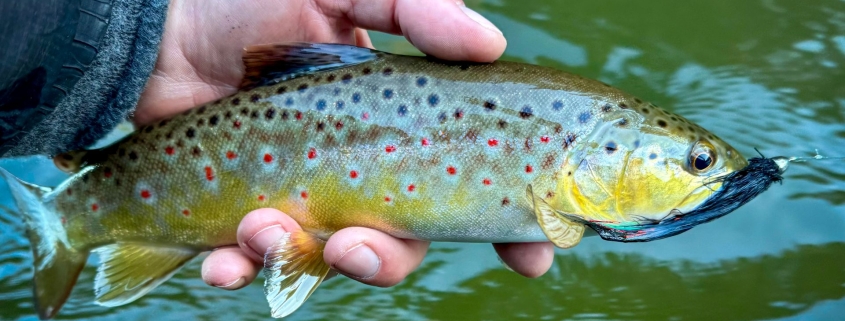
<point x="260" y="229"/>
<point x="229" y="268"/>
<point x="373" y="257"/>
<point x="529" y="259"/>
<point x="362" y="39"/>
<point x="441" y="28"/>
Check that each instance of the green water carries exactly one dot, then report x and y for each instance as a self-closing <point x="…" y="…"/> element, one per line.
<point x="766" y="74"/>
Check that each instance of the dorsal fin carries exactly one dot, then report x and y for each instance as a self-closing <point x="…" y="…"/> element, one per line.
<point x="272" y="63"/>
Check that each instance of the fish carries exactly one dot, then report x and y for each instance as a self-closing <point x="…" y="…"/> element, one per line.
<point x="338" y="136"/>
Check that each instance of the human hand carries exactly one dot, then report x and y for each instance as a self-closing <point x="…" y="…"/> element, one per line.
<point x="200" y="61"/>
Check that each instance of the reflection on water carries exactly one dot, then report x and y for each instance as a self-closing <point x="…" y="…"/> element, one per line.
<point x="763" y="73"/>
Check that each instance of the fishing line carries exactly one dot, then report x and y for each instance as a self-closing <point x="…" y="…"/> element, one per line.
<point x="795" y="159"/>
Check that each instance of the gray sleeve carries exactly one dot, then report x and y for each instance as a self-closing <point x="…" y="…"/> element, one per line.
<point x="84" y="76"/>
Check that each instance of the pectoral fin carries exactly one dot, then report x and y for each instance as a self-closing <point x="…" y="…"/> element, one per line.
<point x="563" y="232"/>
<point x="293" y="268"/>
<point x="129" y="270"/>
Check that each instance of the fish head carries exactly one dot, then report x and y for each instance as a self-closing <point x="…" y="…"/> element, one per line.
<point x="636" y="168"/>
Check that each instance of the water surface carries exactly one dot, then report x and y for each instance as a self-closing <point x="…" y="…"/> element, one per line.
<point x="765" y="73"/>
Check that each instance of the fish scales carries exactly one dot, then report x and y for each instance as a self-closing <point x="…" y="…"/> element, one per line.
<point x="396" y="125"/>
<point x="338" y="136"/>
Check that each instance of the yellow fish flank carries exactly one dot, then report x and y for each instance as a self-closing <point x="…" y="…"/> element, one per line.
<point x="339" y="136"/>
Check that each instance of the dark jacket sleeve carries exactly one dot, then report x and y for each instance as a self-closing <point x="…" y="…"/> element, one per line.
<point x="71" y="70"/>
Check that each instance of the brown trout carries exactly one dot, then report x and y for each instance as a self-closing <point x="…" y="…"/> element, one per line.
<point x="339" y="136"/>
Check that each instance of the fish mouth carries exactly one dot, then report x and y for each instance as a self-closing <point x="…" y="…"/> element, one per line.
<point x="737" y="188"/>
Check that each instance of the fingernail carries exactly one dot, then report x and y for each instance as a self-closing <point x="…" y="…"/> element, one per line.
<point x="236" y="284"/>
<point x="264" y="238"/>
<point x="480" y="19"/>
<point x="359" y="262"/>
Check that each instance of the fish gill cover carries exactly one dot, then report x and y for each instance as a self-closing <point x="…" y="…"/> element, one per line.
<point x="738" y="188"/>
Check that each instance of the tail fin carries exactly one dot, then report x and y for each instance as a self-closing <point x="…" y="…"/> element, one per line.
<point x="57" y="264"/>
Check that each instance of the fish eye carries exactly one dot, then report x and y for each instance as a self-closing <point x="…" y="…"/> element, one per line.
<point x="702" y="158"/>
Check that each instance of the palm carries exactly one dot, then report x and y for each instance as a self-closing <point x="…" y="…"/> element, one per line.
<point x="200" y="57"/>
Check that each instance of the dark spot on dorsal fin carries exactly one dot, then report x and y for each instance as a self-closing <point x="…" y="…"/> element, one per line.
<point x="662" y="123"/>
<point x="201" y="110"/>
<point x="281" y="89"/>
<point x="133" y="155"/>
<point x="366" y="70"/>
<point x="302" y="87"/>
<point x="236" y="101"/>
<point x="387" y="71"/>
<point x="163" y="123"/>
<point x="272" y="63"/>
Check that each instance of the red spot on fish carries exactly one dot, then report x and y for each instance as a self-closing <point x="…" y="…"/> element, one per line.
<point x="261" y="197"/>
<point x="169" y="150"/>
<point x="492" y="142"/>
<point x="390" y="148"/>
<point x="303" y="194"/>
<point x="425" y="142"/>
<point x="95" y="207"/>
<point x="186" y="212"/>
<point x="145" y="194"/>
<point x="64" y="220"/>
<point x="451" y="170"/>
<point x="365" y="116"/>
<point x="529" y="169"/>
<point x="353" y="174"/>
<point x="312" y="153"/>
<point x="412" y="188"/>
<point x="487" y="181"/>
<point x="231" y="155"/>
<point x="338" y="125"/>
<point x="268" y="158"/>
<point x="209" y="173"/>
<point x="107" y="172"/>
<point x="298" y="115"/>
<point x="544" y="139"/>
<point x="237" y="124"/>
<point x="387" y="199"/>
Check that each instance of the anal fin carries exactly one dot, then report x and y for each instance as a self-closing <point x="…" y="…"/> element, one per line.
<point x="293" y="268"/>
<point x="561" y="231"/>
<point x="127" y="271"/>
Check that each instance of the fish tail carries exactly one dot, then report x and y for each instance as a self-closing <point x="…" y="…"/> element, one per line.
<point x="57" y="263"/>
<point x="293" y="268"/>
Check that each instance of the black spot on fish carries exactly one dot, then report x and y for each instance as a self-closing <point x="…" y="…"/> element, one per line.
<point x="254" y="98"/>
<point x="200" y="110"/>
<point x="387" y="71"/>
<point x="67" y="157"/>
<point x="489" y="105"/>
<point x="662" y="123"/>
<point x="606" y="108"/>
<point x="212" y="121"/>
<point x="320" y="126"/>
<point x="623" y="106"/>
<point x="117" y="182"/>
<point x="346" y="78"/>
<point x="281" y="90"/>
<point x="270" y="113"/>
<point x="227" y="115"/>
<point x="317" y="79"/>
<point x="244" y="111"/>
<point x="638" y="101"/>
<point x="162" y="123"/>
<point x="169" y="135"/>
<point x="645" y="111"/>
<point x="196" y="151"/>
<point x="506" y="201"/>
<point x="584" y="117"/>
<point x="502" y="123"/>
<point x="366" y="71"/>
<point x="433" y="100"/>
<point x="610" y="148"/>
<point x="526" y="112"/>
<point x="302" y="87"/>
<point x="402" y="110"/>
<point x="190" y="132"/>
<point x="569" y="140"/>
<point x="148" y="129"/>
<point x="236" y="101"/>
<point x="421" y="81"/>
<point x="200" y="122"/>
<point x="133" y="155"/>
<point x="388" y="93"/>
<point x="254" y="114"/>
<point x="464" y="66"/>
<point x="442" y="117"/>
<point x="331" y="78"/>
<point x="622" y="123"/>
<point x="285" y="115"/>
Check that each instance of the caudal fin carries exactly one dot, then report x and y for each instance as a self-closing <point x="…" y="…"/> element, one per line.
<point x="57" y="264"/>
